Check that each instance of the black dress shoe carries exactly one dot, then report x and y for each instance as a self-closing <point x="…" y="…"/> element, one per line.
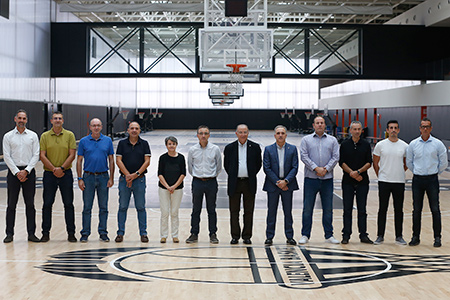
<point x="8" y="239"/>
<point x="345" y="240"/>
<point x="45" y="238"/>
<point x="437" y="242"/>
<point x="71" y="238"/>
<point x="234" y="241"/>
<point x="247" y="241"/>
<point x="366" y="240"/>
<point x="33" y="238"/>
<point x="268" y="242"/>
<point x="291" y="242"/>
<point x="414" y="241"/>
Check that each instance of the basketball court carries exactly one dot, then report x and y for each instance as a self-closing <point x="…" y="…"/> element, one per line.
<point x="134" y="270"/>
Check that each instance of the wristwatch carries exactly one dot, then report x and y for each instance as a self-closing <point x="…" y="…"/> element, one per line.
<point x="137" y="173"/>
<point x="359" y="173"/>
<point x="80" y="178"/>
<point x="62" y="168"/>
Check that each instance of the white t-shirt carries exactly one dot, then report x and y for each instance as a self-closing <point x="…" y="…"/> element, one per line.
<point x="391" y="160"/>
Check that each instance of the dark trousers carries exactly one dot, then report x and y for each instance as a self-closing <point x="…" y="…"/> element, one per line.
<point x="385" y="189"/>
<point x="242" y="188"/>
<point x="420" y="186"/>
<point x="349" y="191"/>
<point x="51" y="184"/>
<point x="209" y="189"/>
<point x="272" y="205"/>
<point x="28" y="192"/>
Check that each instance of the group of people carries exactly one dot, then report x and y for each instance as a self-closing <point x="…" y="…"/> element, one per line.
<point x="320" y="152"/>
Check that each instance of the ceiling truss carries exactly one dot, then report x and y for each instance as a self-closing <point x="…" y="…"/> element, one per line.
<point x="280" y="11"/>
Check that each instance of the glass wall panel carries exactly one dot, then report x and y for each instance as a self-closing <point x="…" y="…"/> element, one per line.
<point x="114" y="50"/>
<point x="336" y="50"/>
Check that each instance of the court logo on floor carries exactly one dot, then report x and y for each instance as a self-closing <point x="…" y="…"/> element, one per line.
<point x="295" y="267"/>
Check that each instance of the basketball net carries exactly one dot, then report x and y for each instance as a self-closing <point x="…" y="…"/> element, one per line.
<point x="236" y="72"/>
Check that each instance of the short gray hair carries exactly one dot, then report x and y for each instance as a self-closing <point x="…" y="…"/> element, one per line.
<point x="355" y="122"/>
<point x="22" y="111"/>
<point x="241" y="125"/>
<point x="172" y="139"/>
<point x="280" y="126"/>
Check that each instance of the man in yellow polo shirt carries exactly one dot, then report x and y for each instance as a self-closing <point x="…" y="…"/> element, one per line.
<point x="58" y="148"/>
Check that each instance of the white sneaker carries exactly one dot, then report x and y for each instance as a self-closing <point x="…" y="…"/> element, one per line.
<point x="303" y="240"/>
<point x="332" y="240"/>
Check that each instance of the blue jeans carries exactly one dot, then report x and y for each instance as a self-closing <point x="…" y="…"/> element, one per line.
<point x="349" y="191"/>
<point x="430" y="185"/>
<point x="310" y="189"/>
<point x="138" y="189"/>
<point x="94" y="183"/>
<point x="272" y="207"/>
<point x="51" y="184"/>
<point x="209" y="189"/>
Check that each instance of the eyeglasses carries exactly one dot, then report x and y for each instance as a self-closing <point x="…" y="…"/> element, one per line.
<point x="203" y="133"/>
<point x="425" y="127"/>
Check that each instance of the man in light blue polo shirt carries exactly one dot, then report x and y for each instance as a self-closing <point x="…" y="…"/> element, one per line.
<point x="320" y="154"/>
<point x="426" y="157"/>
<point x="97" y="152"/>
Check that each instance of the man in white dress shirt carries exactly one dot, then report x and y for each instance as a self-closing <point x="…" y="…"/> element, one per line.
<point x="204" y="164"/>
<point x="21" y="153"/>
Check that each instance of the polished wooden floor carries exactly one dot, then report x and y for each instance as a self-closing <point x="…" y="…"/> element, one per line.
<point x="133" y="270"/>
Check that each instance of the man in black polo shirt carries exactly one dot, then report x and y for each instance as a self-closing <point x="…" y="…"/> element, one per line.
<point x="132" y="158"/>
<point x="355" y="160"/>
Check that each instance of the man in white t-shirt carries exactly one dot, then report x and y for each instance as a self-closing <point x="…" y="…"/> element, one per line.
<point x="389" y="163"/>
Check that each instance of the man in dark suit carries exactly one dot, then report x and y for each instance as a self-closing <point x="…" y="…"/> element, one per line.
<point x="280" y="165"/>
<point x="242" y="161"/>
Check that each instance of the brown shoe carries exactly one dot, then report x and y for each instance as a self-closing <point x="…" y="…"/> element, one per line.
<point x="163" y="240"/>
<point x="144" y="239"/>
<point x="119" y="238"/>
<point x="176" y="240"/>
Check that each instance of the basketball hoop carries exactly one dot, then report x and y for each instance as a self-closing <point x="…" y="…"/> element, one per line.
<point x="160" y="115"/>
<point x="282" y="114"/>
<point x="125" y="114"/>
<point x="141" y="115"/>
<point x="226" y="95"/>
<point x="154" y="114"/>
<point x="308" y="115"/>
<point x="320" y="115"/>
<point x="236" y="75"/>
<point x="289" y="115"/>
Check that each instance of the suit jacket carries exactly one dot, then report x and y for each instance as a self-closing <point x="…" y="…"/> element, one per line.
<point x="231" y="164"/>
<point x="272" y="167"/>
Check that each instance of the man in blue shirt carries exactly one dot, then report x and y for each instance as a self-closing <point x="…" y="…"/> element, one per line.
<point x="426" y="157"/>
<point x="132" y="158"/>
<point x="97" y="152"/>
<point x="320" y="154"/>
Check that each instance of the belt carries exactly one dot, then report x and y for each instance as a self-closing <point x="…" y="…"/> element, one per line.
<point x="242" y="178"/>
<point x="425" y="176"/>
<point x="205" y="178"/>
<point x="95" y="173"/>
<point x="140" y="176"/>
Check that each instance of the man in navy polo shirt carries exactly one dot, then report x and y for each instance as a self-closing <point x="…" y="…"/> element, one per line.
<point x="132" y="158"/>
<point x="97" y="152"/>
